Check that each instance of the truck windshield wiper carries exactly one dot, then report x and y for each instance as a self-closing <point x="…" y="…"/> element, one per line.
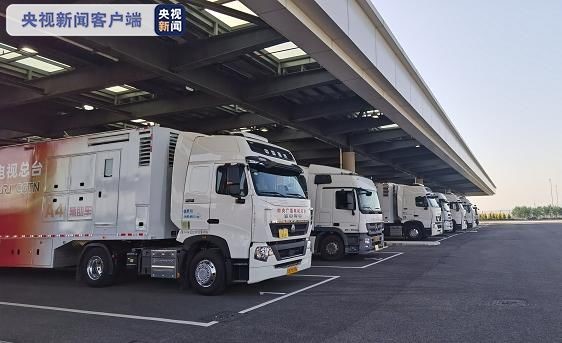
<point x="296" y="195"/>
<point x="271" y="193"/>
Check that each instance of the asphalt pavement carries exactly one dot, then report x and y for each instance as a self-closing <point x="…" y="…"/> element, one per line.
<point x="502" y="283"/>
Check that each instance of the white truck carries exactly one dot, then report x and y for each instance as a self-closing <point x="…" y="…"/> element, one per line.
<point x="458" y="212"/>
<point x="446" y="216"/>
<point x="476" y="215"/>
<point x="208" y="210"/>
<point x="409" y="211"/>
<point x="347" y="213"/>
<point x="470" y="216"/>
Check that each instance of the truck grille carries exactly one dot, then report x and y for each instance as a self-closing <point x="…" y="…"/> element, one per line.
<point x="288" y="249"/>
<point x="294" y="229"/>
<point x="374" y="228"/>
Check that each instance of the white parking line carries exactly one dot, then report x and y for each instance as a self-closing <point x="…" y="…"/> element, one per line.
<point x="442" y="239"/>
<point x="365" y="266"/>
<point x="108" y="314"/>
<point x="329" y="278"/>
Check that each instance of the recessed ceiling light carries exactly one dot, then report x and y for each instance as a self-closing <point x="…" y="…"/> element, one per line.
<point x="138" y="120"/>
<point x="417" y="146"/>
<point x="117" y="89"/>
<point x="189" y="89"/>
<point x="264" y="129"/>
<point x="389" y="126"/>
<point x="29" y="50"/>
<point x="88" y="107"/>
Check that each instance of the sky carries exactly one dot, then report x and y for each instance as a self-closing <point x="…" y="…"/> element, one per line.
<point x="496" y="68"/>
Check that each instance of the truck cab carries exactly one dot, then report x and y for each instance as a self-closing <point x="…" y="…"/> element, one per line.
<point x="347" y="213"/>
<point x="458" y="212"/>
<point x="476" y="215"/>
<point x="446" y="216"/>
<point x="242" y="196"/>
<point x="409" y="211"/>
<point x="470" y="216"/>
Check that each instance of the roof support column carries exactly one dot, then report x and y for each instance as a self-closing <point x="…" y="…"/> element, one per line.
<point x="348" y="159"/>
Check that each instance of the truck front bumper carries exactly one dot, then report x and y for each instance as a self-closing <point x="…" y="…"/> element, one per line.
<point x="436" y="229"/>
<point x="272" y="268"/>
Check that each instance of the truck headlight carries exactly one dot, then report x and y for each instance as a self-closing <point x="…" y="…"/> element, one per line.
<point x="308" y="245"/>
<point x="263" y="253"/>
<point x="368" y="240"/>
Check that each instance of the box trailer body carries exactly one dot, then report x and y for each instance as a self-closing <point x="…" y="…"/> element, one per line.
<point x="347" y="213"/>
<point x="446" y="216"/>
<point x="152" y="199"/>
<point x="458" y="212"/>
<point x="409" y="211"/>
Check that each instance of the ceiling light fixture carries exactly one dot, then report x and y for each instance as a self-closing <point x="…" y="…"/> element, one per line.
<point x="88" y="107"/>
<point x="29" y="50"/>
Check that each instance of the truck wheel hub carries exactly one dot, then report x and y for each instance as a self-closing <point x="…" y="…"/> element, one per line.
<point x="414" y="233"/>
<point x="95" y="268"/>
<point x="205" y="273"/>
<point x="332" y="248"/>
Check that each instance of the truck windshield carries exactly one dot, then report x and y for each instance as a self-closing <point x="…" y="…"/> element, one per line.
<point x="433" y="202"/>
<point x="271" y="184"/>
<point x="368" y="201"/>
<point x="444" y="205"/>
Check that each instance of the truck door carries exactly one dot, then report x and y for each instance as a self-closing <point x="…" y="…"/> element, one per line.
<point x="197" y="199"/>
<point x="346" y="213"/>
<point x="231" y="207"/>
<point x="106" y="190"/>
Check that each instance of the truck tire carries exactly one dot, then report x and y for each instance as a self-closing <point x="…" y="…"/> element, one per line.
<point x="332" y="248"/>
<point x="207" y="272"/>
<point x="414" y="232"/>
<point x="95" y="267"/>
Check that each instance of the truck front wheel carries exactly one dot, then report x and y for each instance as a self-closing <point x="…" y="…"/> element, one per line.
<point x="414" y="232"/>
<point x="207" y="272"/>
<point x="95" y="267"/>
<point x="332" y="248"/>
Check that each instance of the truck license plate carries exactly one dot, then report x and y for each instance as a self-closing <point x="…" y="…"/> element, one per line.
<point x="283" y="233"/>
<point x="292" y="270"/>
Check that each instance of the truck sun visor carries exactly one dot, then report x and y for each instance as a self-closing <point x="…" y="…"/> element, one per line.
<point x="264" y="164"/>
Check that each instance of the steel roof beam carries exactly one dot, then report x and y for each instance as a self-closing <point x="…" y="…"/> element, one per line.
<point x="143" y="110"/>
<point x="352" y="125"/>
<point x="377" y="136"/>
<point x="225" y="47"/>
<point x="76" y="81"/>
<point x="289" y="83"/>
<point x="389" y="146"/>
<point x="329" y="108"/>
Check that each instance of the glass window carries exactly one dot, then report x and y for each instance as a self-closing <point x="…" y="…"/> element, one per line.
<point x="108" y="167"/>
<point x="269" y="183"/>
<point x="229" y="177"/>
<point x="421" y="202"/>
<point x="345" y="200"/>
<point x="433" y="202"/>
<point x="368" y="201"/>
